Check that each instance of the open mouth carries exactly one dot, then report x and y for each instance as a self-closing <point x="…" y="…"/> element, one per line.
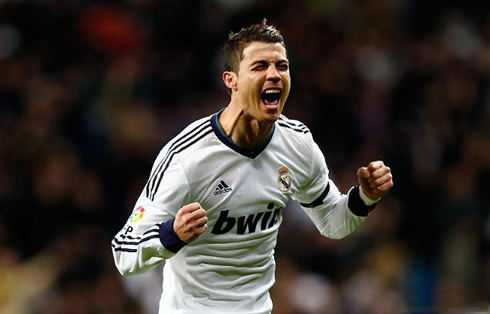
<point x="270" y="97"/>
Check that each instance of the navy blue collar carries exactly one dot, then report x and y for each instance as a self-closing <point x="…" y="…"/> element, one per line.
<point x="225" y="139"/>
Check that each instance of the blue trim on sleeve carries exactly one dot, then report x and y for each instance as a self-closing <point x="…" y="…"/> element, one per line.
<point x="169" y="239"/>
<point x="356" y="204"/>
<point x="319" y="200"/>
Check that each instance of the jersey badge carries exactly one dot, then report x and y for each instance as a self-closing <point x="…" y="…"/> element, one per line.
<point x="283" y="180"/>
<point x="137" y="215"/>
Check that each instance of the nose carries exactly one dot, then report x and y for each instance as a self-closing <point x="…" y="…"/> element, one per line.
<point x="273" y="74"/>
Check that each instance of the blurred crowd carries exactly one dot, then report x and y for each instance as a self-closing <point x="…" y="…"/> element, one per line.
<point x="90" y="91"/>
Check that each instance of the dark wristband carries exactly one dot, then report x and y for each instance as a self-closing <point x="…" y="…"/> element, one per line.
<point x="356" y="204"/>
<point x="169" y="238"/>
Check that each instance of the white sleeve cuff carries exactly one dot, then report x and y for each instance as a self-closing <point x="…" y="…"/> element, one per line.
<point x="366" y="199"/>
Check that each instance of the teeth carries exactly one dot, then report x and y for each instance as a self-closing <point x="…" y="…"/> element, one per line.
<point x="272" y="91"/>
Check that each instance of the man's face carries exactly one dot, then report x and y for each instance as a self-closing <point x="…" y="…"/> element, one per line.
<point x="263" y="81"/>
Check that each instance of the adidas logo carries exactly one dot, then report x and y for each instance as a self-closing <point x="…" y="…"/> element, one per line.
<point x="222" y="188"/>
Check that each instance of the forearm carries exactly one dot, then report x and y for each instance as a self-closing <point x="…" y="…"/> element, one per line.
<point x="138" y="252"/>
<point x="338" y="215"/>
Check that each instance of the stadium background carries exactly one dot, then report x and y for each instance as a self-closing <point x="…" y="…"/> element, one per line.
<point x="91" y="90"/>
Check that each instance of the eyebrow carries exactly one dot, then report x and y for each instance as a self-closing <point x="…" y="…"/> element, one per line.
<point x="266" y="62"/>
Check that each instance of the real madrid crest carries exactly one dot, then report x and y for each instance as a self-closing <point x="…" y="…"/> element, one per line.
<point x="283" y="180"/>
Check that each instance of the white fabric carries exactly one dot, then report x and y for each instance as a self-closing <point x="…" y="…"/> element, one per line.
<point x="229" y="268"/>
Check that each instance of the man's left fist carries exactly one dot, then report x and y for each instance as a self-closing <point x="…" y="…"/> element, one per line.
<point x="376" y="179"/>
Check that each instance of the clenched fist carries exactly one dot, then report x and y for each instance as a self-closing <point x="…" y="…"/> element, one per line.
<point x="190" y="222"/>
<point x="376" y="179"/>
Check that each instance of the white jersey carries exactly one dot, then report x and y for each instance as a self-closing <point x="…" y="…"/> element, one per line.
<point x="230" y="267"/>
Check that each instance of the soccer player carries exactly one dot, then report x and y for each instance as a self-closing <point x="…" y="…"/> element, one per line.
<point x="211" y="208"/>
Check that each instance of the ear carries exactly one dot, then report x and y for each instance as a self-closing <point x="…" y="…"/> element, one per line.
<point x="230" y="79"/>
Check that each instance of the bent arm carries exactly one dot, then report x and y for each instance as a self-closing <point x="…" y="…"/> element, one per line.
<point x="147" y="239"/>
<point x="137" y="247"/>
<point x="335" y="215"/>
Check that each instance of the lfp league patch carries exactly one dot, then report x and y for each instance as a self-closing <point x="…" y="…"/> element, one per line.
<point x="284" y="180"/>
<point x="137" y="215"/>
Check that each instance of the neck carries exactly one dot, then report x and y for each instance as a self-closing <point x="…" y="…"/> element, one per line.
<point x="243" y="129"/>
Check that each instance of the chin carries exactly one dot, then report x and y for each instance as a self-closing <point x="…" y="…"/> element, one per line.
<point x="272" y="116"/>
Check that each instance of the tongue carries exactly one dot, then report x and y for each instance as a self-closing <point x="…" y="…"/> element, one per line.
<point x="271" y="104"/>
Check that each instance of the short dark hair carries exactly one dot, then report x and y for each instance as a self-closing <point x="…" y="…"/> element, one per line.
<point x="237" y="42"/>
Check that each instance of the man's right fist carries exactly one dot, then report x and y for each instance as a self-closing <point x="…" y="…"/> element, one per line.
<point x="190" y="222"/>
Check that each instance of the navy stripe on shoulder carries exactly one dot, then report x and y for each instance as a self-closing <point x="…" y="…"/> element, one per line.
<point x="292" y="121"/>
<point x="293" y="124"/>
<point x="293" y="128"/>
<point x="154" y="182"/>
<point x="179" y="141"/>
<point x="188" y="143"/>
